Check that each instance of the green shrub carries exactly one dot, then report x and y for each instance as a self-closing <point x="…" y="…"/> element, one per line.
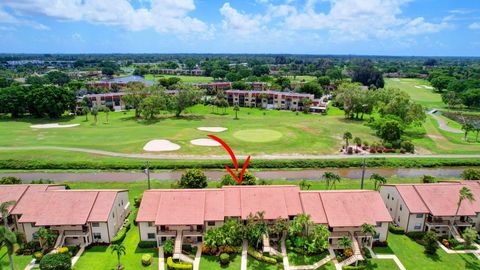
<point x="429" y="179"/>
<point x="121" y="234"/>
<point x="173" y="266"/>
<point x="10" y="180"/>
<point x="168" y="246"/>
<point x="193" y="178"/>
<point x="367" y="253"/>
<point x="416" y="235"/>
<point x="147" y="244"/>
<point x="38" y="256"/>
<point x="147" y="259"/>
<point x="395" y="230"/>
<point x="224" y="259"/>
<point x="259" y="256"/>
<point x="137" y="201"/>
<point x="56" y="262"/>
<point x="471" y="174"/>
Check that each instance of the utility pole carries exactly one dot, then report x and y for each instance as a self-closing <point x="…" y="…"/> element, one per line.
<point x="147" y="172"/>
<point x="363" y="174"/>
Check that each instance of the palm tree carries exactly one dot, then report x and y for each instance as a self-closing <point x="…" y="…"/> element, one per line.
<point x="106" y="110"/>
<point x="120" y="250"/>
<point x="467" y="127"/>
<point x="86" y="110"/>
<point x="368" y="229"/>
<point x="8" y="239"/>
<point x="5" y="212"/>
<point x="378" y="180"/>
<point x="345" y="242"/>
<point x="347" y="136"/>
<point x="236" y="108"/>
<point x="331" y="179"/>
<point x="464" y="193"/>
<point x="45" y="237"/>
<point x="94" y="112"/>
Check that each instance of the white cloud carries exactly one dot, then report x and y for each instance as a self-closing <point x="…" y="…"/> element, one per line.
<point x="163" y="15"/>
<point x="239" y="23"/>
<point x="6" y="18"/>
<point x="474" y="26"/>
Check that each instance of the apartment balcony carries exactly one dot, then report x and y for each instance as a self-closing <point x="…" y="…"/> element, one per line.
<point x="466" y="223"/>
<point x="437" y="223"/>
<point x="76" y="233"/>
<point x="166" y="233"/>
<point x="194" y="233"/>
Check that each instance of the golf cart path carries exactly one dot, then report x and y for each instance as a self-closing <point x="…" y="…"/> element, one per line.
<point x="226" y="157"/>
<point x="442" y="123"/>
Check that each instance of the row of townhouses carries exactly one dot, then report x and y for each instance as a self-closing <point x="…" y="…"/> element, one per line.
<point x="80" y="217"/>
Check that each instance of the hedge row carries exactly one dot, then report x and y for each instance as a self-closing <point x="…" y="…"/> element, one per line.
<point x="359" y="267"/>
<point x="259" y="256"/>
<point x="173" y="266"/>
<point x="121" y="234"/>
<point x="147" y="244"/>
<point x="395" y="230"/>
<point x="12" y="164"/>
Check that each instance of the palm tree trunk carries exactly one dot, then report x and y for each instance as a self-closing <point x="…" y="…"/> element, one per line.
<point x="10" y="259"/>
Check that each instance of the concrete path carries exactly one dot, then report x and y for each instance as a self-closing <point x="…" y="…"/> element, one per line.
<point x="161" y="259"/>
<point x="286" y="263"/>
<point x="244" y="255"/>
<point x="476" y="252"/>
<point x="31" y="265"/>
<point x="198" y="255"/>
<point x="388" y="257"/>
<point x="213" y="157"/>
<point x="78" y="255"/>
<point x="442" y="123"/>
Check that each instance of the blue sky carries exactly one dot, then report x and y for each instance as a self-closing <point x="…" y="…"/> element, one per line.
<point x="377" y="27"/>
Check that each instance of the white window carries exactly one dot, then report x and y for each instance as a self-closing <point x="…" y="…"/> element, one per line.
<point x="417" y="226"/>
<point x="211" y="223"/>
<point x="151" y="236"/>
<point x="97" y="236"/>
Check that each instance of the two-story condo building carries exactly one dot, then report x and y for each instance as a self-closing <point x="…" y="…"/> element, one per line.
<point x="80" y="217"/>
<point x="185" y="214"/>
<point x="423" y="207"/>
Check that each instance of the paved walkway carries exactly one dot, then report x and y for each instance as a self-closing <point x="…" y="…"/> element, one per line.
<point x="213" y="157"/>
<point x="198" y="255"/>
<point x="476" y="252"/>
<point x="442" y="123"/>
<point x="78" y="255"/>
<point x="161" y="259"/>
<point x="388" y="257"/>
<point x="286" y="263"/>
<point x="244" y="255"/>
<point x="31" y="265"/>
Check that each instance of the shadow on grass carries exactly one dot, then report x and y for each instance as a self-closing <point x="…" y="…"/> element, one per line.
<point x="433" y="257"/>
<point x="470" y="264"/>
<point x="36" y="120"/>
<point x="383" y="250"/>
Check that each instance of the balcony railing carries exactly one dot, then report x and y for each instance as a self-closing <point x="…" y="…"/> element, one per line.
<point x="438" y="223"/>
<point x="75" y="232"/>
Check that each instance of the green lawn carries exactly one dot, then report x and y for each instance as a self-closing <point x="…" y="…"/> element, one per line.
<point x="299" y="259"/>
<point x="382" y="264"/>
<point x="413" y="257"/>
<point x="186" y="79"/>
<point x="253" y="264"/>
<point x="423" y="95"/>
<point x="211" y="262"/>
<point x="19" y="262"/>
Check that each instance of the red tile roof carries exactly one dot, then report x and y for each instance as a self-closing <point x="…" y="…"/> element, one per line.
<point x="194" y="207"/>
<point x="49" y="205"/>
<point x="440" y="199"/>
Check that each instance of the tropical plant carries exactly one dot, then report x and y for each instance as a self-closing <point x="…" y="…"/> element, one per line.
<point x="347" y="136"/>
<point x="56" y="261"/>
<point x="280" y="226"/>
<point x="368" y="229"/>
<point x="236" y="108"/>
<point x="331" y="179"/>
<point x="193" y="178"/>
<point x="119" y="250"/>
<point x="168" y="246"/>
<point x="431" y="244"/>
<point x="10" y="180"/>
<point x="345" y="242"/>
<point x="299" y="225"/>
<point x="94" y="112"/>
<point x="318" y="239"/>
<point x="469" y="235"/>
<point x="357" y="141"/>
<point x="471" y="174"/>
<point x="304" y="184"/>
<point x="45" y="237"/>
<point x="378" y="180"/>
<point x="5" y="211"/>
<point x="8" y="239"/>
<point x="467" y="127"/>
<point x="464" y="194"/>
<point x="255" y="229"/>
<point x="428" y="179"/>
<point x="106" y="110"/>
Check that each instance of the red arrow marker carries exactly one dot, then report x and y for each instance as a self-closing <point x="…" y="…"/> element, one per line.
<point x="234" y="159"/>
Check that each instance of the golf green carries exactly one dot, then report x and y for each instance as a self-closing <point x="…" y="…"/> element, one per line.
<point x="258" y="135"/>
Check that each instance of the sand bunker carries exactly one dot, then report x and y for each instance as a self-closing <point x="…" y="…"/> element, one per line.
<point x="55" y="125"/>
<point x="418" y="86"/>
<point x="423" y="86"/>
<point x="212" y="129"/>
<point x="205" y="142"/>
<point x="161" y="145"/>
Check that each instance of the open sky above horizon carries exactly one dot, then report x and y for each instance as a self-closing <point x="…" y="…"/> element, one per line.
<point x="369" y="27"/>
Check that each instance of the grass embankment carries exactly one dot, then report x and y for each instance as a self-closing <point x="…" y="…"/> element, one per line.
<point x="19" y="262"/>
<point x="419" y="90"/>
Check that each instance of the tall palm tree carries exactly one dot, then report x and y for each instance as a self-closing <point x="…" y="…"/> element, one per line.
<point x="5" y="212"/>
<point x="464" y="193"/>
<point x="120" y="250"/>
<point x="378" y="180"/>
<point x="8" y="239"/>
<point x="368" y="229"/>
<point x="236" y="108"/>
<point x="331" y="179"/>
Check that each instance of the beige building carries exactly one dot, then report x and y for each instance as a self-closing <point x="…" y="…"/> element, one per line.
<point x="80" y="217"/>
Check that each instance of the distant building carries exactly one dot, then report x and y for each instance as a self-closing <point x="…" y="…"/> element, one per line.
<point x="169" y="71"/>
<point x="119" y="82"/>
<point x="111" y="100"/>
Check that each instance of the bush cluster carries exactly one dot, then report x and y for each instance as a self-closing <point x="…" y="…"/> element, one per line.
<point x="147" y="244"/>
<point x="56" y="262"/>
<point x="416" y="235"/>
<point x="350" y="267"/>
<point x="147" y="259"/>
